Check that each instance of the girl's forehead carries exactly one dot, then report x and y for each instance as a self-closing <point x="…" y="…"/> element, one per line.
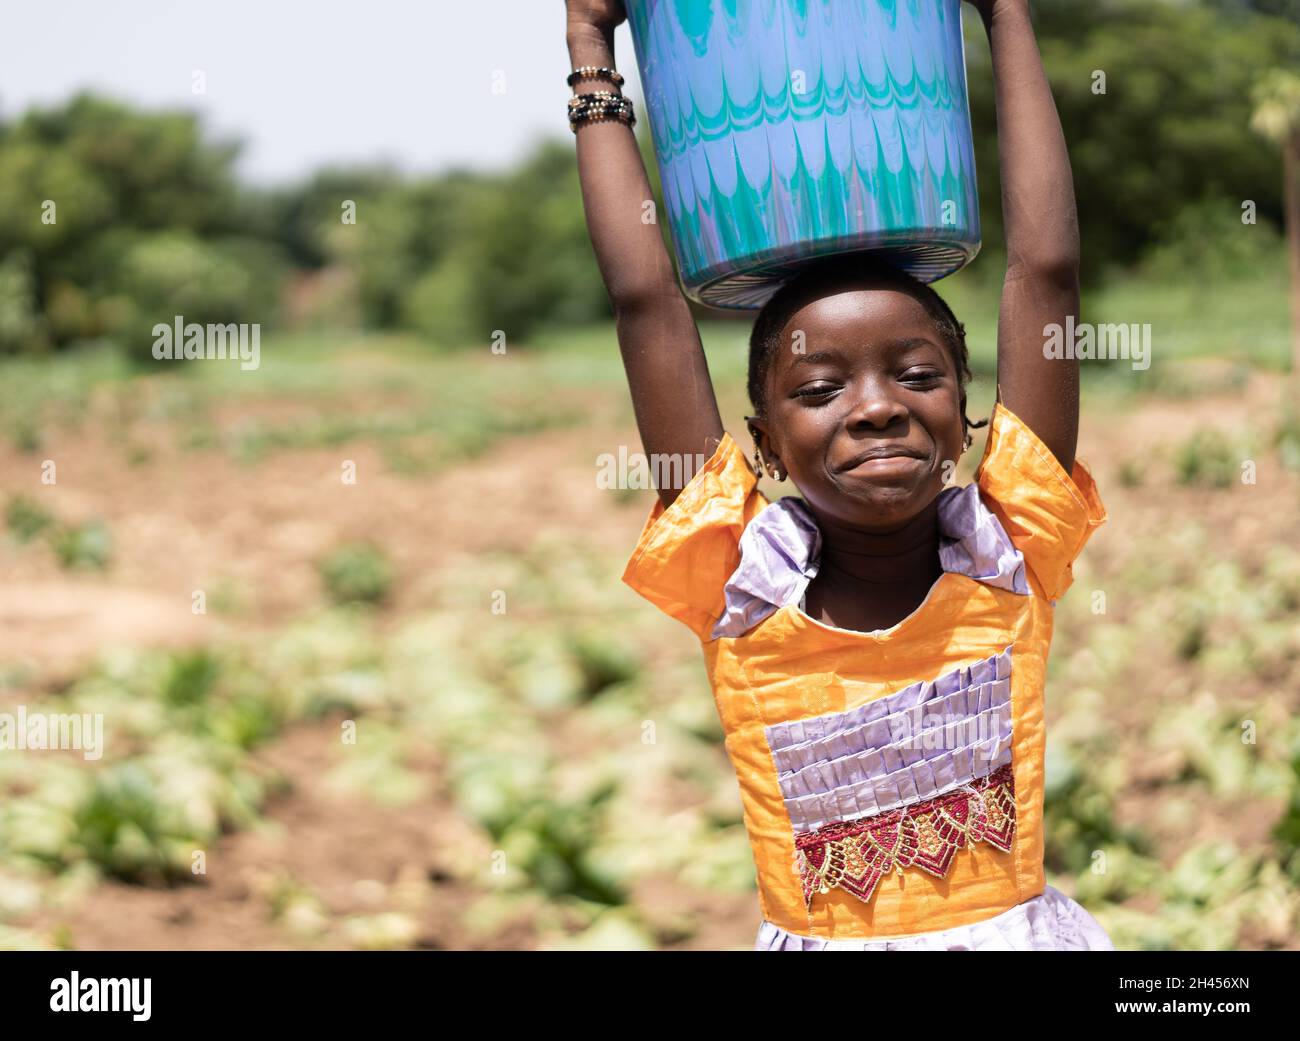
<point x="858" y="328"/>
<point x="860" y="310"/>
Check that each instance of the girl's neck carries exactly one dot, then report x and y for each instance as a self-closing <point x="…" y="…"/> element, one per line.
<point x="906" y="555"/>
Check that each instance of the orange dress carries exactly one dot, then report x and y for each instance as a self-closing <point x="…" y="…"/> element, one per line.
<point x="892" y="781"/>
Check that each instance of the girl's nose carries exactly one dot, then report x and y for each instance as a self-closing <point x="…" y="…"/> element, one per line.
<point x="876" y="410"/>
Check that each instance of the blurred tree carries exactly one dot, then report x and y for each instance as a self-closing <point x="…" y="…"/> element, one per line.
<point x="301" y="217"/>
<point x="154" y="276"/>
<point x="1271" y="8"/>
<point x="155" y="167"/>
<point x="518" y="256"/>
<point x="1277" y="118"/>
<point x="1171" y="128"/>
<point x="21" y="326"/>
<point x="151" y="221"/>
<point x="125" y="219"/>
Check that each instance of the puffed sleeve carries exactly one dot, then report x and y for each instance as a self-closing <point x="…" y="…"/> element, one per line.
<point x="687" y="552"/>
<point x="1049" y="514"/>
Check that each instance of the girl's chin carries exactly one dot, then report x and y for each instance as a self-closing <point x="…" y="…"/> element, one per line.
<point x="894" y="483"/>
<point x="875" y="505"/>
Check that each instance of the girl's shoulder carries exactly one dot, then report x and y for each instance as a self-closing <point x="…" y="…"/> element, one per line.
<point x="687" y="551"/>
<point x="1049" y="514"/>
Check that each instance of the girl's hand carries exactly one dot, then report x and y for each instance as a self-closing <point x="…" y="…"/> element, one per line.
<point x="595" y="14"/>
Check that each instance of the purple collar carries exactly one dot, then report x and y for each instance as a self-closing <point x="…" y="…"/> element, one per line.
<point x="780" y="551"/>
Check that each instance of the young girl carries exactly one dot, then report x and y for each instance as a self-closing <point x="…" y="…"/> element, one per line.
<point x="877" y="649"/>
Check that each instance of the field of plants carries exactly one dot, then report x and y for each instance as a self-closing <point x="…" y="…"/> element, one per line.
<point x="369" y="678"/>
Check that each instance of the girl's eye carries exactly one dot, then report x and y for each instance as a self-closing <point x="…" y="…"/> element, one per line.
<point x="815" y="390"/>
<point x="923" y="376"/>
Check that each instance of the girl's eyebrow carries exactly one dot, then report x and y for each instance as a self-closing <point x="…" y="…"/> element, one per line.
<point x="819" y="357"/>
<point x="912" y="341"/>
<point x="832" y="355"/>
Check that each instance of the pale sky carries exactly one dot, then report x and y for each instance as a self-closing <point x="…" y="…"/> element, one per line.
<point x="310" y="83"/>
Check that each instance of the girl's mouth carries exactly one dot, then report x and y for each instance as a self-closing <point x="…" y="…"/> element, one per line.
<point x="884" y="465"/>
<point x="882" y="459"/>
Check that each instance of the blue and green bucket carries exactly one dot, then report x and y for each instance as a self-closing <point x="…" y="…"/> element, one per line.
<point x="790" y="130"/>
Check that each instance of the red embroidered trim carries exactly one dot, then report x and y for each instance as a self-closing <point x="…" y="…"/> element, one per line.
<point x="856" y="855"/>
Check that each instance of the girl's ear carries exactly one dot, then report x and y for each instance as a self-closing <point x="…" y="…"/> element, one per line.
<point x="762" y="443"/>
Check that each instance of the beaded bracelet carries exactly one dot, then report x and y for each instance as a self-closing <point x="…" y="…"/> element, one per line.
<point x="599" y="97"/>
<point x="600" y="115"/>
<point x="585" y="108"/>
<point x="592" y="72"/>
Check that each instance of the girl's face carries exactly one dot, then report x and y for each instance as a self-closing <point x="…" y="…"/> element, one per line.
<point x="863" y="407"/>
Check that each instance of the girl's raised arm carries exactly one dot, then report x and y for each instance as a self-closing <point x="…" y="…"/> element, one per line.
<point x="672" y="395"/>
<point x="1042" y="232"/>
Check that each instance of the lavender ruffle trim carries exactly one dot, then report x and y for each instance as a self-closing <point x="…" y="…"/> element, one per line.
<point x="974" y="543"/>
<point x="1050" y="921"/>
<point x="780" y="551"/>
<point x="915" y="744"/>
<point x="787" y="738"/>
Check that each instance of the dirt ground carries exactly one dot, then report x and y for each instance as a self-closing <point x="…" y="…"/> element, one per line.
<point x="184" y="521"/>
